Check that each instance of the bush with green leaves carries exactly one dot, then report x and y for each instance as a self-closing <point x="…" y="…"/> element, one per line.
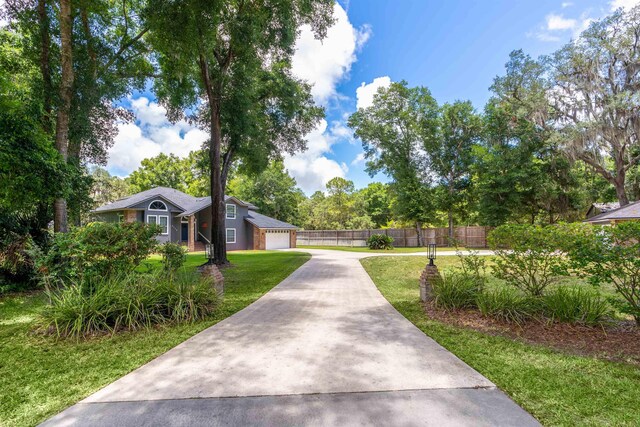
<point x="573" y="304"/>
<point x="473" y="264"/>
<point x="508" y="304"/>
<point x="128" y="302"/>
<point x="455" y="290"/>
<point x="380" y="241"/>
<point x="608" y="255"/>
<point x="173" y="256"/>
<point x="99" y="249"/>
<point x="528" y="256"/>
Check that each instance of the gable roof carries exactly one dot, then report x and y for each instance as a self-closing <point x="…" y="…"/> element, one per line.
<point x="263" y="221"/>
<point x="630" y="211"/>
<point x="187" y="203"/>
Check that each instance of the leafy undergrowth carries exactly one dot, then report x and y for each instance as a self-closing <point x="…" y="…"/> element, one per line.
<point x="557" y="388"/>
<point x="40" y="376"/>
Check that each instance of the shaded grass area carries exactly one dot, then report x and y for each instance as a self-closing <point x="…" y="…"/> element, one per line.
<point x="366" y="249"/>
<point x="557" y="388"/>
<point x="40" y="376"/>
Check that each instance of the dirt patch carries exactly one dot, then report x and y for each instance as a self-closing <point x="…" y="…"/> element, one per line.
<point x="618" y="341"/>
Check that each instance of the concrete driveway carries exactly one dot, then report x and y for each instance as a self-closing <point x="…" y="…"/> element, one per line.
<point x="322" y="348"/>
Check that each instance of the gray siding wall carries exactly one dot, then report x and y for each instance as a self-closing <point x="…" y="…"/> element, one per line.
<point x="172" y="210"/>
<point x="204" y="216"/>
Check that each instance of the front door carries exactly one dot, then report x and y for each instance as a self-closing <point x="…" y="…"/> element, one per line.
<point x="185" y="231"/>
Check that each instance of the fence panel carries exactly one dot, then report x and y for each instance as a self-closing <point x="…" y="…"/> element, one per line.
<point x="471" y="237"/>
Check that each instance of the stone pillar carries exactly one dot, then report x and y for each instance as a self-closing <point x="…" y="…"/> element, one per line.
<point x="191" y="236"/>
<point x="429" y="276"/>
<point x="212" y="270"/>
<point x="130" y="215"/>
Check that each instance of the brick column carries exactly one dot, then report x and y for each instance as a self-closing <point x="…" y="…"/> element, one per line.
<point x="191" y="237"/>
<point x="292" y="238"/>
<point x="130" y="215"/>
<point x="429" y="276"/>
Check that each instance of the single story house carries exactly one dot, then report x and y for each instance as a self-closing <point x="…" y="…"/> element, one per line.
<point x="186" y="219"/>
<point x="630" y="212"/>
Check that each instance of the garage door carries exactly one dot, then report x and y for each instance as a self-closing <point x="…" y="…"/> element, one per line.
<point x="277" y="239"/>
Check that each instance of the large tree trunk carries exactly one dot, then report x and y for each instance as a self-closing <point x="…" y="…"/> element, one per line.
<point x="64" y="109"/>
<point x="45" y="66"/>
<point x="218" y="229"/>
<point x="451" y="231"/>
<point x="621" y="193"/>
<point x="419" y="231"/>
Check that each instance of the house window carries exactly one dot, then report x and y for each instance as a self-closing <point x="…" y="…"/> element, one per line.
<point x="161" y="220"/>
<point x="231" y="235"/>
<point x="231" y="211"/>
<point x="164" y="224"/>
<point x="157" y="205"/>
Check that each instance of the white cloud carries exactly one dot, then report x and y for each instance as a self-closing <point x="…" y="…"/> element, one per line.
<point x="560" y="23"/>
<point x="567" y="4"/>
<point x="359" y="159"/>
<point x="312" y="169"/>
<point x="151" y="135"/>
<point x="625" y="4"/>
<point x="364" y="94"/>
<point x="324" y="63"/>
<point x="3" y="21"/>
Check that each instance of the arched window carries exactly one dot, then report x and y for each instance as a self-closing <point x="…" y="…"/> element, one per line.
<point x="157" y="205"/>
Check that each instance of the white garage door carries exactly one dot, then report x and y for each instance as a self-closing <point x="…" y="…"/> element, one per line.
<point x="277" y="239"/>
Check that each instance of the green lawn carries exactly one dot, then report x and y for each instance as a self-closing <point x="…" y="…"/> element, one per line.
<point x="40" y="376"/>
<point x="558" y="389"/>
<point x="366" y="249"/>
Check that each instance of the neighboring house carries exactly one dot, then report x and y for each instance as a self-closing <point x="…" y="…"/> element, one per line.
<point x="187" y="219"/>
<point x="630" y="212"/>
<point x="600" y="208"/>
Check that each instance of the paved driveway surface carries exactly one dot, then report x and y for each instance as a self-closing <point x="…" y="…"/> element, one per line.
<point x="322" y="348"/>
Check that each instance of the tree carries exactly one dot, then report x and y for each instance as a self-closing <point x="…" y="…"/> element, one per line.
<point x="29" y="162"/>
<point x="339" y="202"/>
<point x="273" y="191"/>
<point x="189" y="174"/>
<point x="230" y="62"/>
<point x="450" y="150"/>
<point x="106" y="188"/>
<point x="392" y="131"/>
<point x="593" y="90"/>
<point x="89" y="55"/>
<point x="376" y="203"/>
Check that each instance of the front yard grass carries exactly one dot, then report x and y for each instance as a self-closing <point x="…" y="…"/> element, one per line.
<point x="366" y="249"/>
<point x="40" y="376"/>
<point x="557" y="388"/>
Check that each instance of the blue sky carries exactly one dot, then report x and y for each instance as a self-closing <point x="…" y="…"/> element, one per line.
<point x="453" y="47"/>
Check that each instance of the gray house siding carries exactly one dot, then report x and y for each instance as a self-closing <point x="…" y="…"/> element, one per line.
<point x="172" y="210"/>
<point x="240" y="225"/>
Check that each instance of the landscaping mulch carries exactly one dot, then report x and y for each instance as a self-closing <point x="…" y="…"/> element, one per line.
<point x="617" y="341"/>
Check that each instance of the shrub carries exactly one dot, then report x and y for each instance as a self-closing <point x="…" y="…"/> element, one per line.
<point x="474" y="265"/>
<point x="528" y="256"/>
<point x="609" y="255"/>
<point x="575" y="305"/>
<point x="455" y="290"/>
<point x="507" y="304"/>
<point x="380" y="241"/>
<point x="16" y="263"/>
<point x="173" y="256"/>
<point x="128" y="302"/>
<point x="98" y="250"/>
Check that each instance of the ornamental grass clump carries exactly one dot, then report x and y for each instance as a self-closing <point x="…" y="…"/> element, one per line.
<point x="508" y="304"/>
<point x="128" y="302"/>
<point x="573" y="304"/>
<point x="456" y="290"/>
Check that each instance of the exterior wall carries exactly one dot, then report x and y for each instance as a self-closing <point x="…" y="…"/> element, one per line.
<point x="108" y="216"/>
<point x="172" y="210"/>
<point x="242" y="240"/>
